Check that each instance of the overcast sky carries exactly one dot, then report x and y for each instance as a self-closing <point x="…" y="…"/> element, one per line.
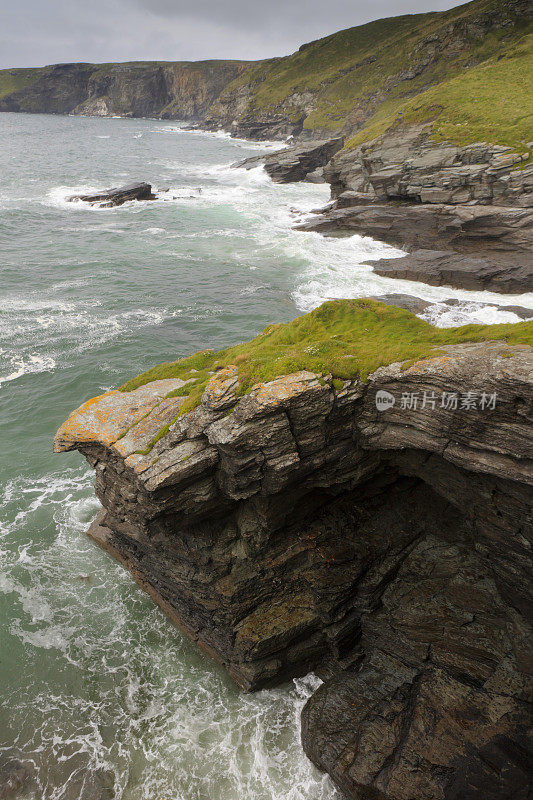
<point x="38" y="32"/>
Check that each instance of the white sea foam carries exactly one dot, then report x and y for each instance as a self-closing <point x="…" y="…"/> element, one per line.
<point x="40" y="331"/>
<point x="115" y="696"/>
<point x="222" y="134"/>
<point x="32" y="364"/>
<point x="161" y="720"/>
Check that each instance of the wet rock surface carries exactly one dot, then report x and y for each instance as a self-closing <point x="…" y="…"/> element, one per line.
<point x="468" y="247"/>
<point x="116" y="197"/>
<point x="298" y="527"/>
<point x="303" y="162"/>
<point x="443" y="268"/>
<point x="488" y="232"/>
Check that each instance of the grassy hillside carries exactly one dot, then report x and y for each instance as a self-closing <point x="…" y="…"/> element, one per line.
<point x="468" y="71"/>
<point x="13" y="80"/>
<point x="490" y="102"/>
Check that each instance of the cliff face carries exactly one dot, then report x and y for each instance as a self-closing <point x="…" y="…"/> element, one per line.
<point x="176" y="90"/>
<point x="313" y="523"/>
<point x="355" y="82"/>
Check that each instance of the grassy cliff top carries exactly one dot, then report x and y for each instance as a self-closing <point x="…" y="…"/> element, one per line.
<point x="342" y="338"/>
<point x="490" y="102"/>
<point x="468" y="70"/>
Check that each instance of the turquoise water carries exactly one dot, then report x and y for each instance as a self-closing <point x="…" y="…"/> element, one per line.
<point x="101" y="696"/>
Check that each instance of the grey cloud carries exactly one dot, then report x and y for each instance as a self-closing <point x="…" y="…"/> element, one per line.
<point x="36" y="32"/>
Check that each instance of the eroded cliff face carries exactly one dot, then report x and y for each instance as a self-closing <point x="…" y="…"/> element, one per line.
<point x="300" y="527"/>
<point x="139" y="89"/>
<point x="464" y="213"/>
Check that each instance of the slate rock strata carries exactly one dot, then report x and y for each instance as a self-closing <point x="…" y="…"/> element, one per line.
<point x="302" y="162"/>
<point x="469" y="247"/>
<point x="297" y="527"/>
<point x="117" y="196"/>
<point x="444" y="268"/>
<point x="406" y="163"/>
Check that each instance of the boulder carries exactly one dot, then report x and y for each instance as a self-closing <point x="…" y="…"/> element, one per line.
<point x="117" y="196"/>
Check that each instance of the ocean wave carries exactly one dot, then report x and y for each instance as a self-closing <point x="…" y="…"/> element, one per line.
<point x="252" y="144"/>
<point x="30" y="365"/>
<point x="153" y="716"/>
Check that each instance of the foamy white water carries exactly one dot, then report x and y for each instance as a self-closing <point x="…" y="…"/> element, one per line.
<point x="101" y="696"/>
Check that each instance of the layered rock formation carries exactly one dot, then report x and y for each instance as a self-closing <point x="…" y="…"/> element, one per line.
<point x="464" y="213"/>
<point x="300" y="527"/>
<point x="408" y="164"/>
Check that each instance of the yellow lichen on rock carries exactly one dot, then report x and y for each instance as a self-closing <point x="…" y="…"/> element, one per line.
<point x="103" y="419"/>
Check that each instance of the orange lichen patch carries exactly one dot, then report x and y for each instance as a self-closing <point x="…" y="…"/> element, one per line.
<point x="221" y="390"/>
<point x="103" y="419"/>
<point x="141" y="433"/>
<point x="265" y="397"/>
<point x="427" y="364"/>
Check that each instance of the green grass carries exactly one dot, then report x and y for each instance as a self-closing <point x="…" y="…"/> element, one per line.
<point x="13" y="80"/>
<point x="444" y="68"/>
<point x="354" y="77"/>
<point x="343" y="338"/>
<point x="491" y="102"/>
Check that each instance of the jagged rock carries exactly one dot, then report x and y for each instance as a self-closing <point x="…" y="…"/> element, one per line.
<point x="405" y="163"/>
<point x="118" y="196"/>
<point x="298" y="526"/>
<point x="471" y="247"/>
<point x="486" y="230"/>
<point x="442" y="268"/>
<point x="296" y="163"/>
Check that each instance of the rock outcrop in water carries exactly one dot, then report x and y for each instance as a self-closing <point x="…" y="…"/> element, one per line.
<point x="299" y="163"/>
<point x="117" y="197"/>
<point x="300" y="527"/>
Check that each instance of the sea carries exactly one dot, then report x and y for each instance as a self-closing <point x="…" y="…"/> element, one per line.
<point x="101" y="697"/>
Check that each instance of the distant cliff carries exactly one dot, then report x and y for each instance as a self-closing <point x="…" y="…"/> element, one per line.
<point x="358" y="82"/>
<point x="137" y="89"/>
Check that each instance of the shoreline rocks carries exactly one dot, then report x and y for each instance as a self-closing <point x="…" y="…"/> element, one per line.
<point x="418" y="306"/>
<point x="468" y="247"/>
<point x="406" y="164"/>
<point x="117" y="196"/>
<point x="299" y="163"/>
<point x="300" y="527"/>
<point x="445" y="268"/>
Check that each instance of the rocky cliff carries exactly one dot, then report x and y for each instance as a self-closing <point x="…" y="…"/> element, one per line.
<point x="376" y="530"/>
<point x="356" y="82"/>
<point x="177" y="90"/>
